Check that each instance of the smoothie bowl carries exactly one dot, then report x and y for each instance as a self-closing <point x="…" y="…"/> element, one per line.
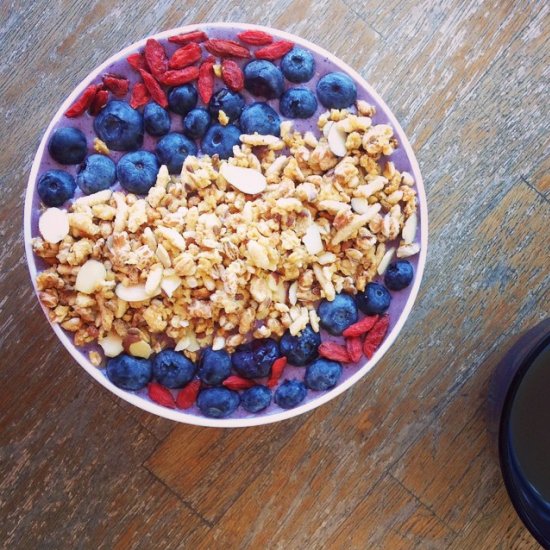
<point x="225" y="225"/>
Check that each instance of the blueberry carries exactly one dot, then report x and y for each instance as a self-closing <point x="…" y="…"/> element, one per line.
<point x="323" y="374"/>
<point x="173" y="149"/>
<point x="218" y="402"/>
<point x="68" y="146"/>
<point x="290" y="394"/>
<point x="231" y="103"/>
<point x="137" y="172"/>
<point x="129" y="373"/>
<point x="261" y="118"/>
<point x="55" y="187"/>
<point x="338" y="315"/>
<point x="214" y="366"/>
<point x="399" y="275"/>
<point x="96" y="173"/>
<point x="219" y="140"/>
<point x="374" y="300"/>
<point x="297" y="103"/>
<point x="119" y="126"/>
<point x="172" y="369"/>
<point x="196" y="123"/>
<point x="182" y="99"/>
<point x="254" y="360"/>
<point x="298" y="65"/>
<point x="256" y="399"/>
<point x="336" y="91"/>
<point x="156" y="119"/>
<point x="263" y="78"/>
<point x="301" y="349"/>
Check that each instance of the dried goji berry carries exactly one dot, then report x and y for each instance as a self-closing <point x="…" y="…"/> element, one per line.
<point x="335" y="352"/>
<point x="255" y="38"/>
<point x="188" y="395"/>
<point x="276" y="371"/>
<point x="355" y="348"/>
<point x="157" y="93"/>
<point x="232" y="75"/>
<point x="362" y="326"/>
<point x="161" y="395"/>
<point x="275" y="50"/>
<point x="193" y="36"/>
<point x="155" y="57"/>
<point x="226" y="48"/>
<point x="181" y="76"/>
<point x="375" y="336"/>
<point x="83" y="102"/>
<point x="137" y="61"/>
<point x="205" y="84"/>
<point x="99" y="101"/>
<point x="116" y="84"/>
<point x="185" y="56"/>
<point x="238" y="383"/>
<point x="140" y="95"/>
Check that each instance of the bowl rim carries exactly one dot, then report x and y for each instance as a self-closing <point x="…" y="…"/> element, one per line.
<point x="175" y="414"/>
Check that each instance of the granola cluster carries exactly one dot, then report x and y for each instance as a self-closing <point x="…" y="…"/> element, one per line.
<point x="206" y="260"/>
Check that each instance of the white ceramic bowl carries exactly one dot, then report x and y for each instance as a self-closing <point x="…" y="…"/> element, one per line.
<point x="404" y="159"/>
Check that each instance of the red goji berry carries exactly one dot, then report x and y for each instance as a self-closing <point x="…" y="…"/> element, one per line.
<point x="354" y="348"/>
<point x="157" y="93"/>
<point x="185" y="56"/>
<point x="155" y="57"/>
<point x="83" y="102"/>
<point x="137" y="61"/>
<point x="205" y="83"/>
<point x="275" y="50"/>
<point x="99" y="101"/>
<point x="276" y="371"/>
<point x="232" y="75"/>
<point x="226" y="48"/>
<point x="255" y="38"/>
<point x="188" y="395"/>
<point x="335" y="352"/>
<point x="181" y="76"/>
<point x="375" y="336"/>
<point x="140" y="95"/>
<point x="117" y="85"/>
<point x="362" y="326"/>
<point x="193" y="36"/>
<point x="238" y="383"/>
<point x="161" y="395"/>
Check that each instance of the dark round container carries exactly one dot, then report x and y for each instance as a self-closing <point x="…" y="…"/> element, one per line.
<point x="518" y="412"/>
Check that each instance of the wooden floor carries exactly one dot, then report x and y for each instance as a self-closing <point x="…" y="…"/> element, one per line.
<point x="401" y="460"/>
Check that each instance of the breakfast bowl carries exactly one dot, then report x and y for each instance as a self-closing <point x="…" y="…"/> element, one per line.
<point x="225" y="225"/>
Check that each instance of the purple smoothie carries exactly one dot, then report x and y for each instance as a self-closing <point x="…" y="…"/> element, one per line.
<point x="403" y="160"/>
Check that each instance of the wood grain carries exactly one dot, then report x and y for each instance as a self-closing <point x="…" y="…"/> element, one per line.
<point x="401" y="460"/>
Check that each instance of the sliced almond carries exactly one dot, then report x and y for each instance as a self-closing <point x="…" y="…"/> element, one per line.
<point x="173" y="237"/>
<point x="170" y="284"/>
<point x="163" y="256"/>
<point x="408" y="232"/>
<point x="247" y="180"/>
<point x="188" y="342"/>
<point x="140" y="349"/>
<point x="134" y="293"/>
<point x="54" y="225"/>
<point x="90" y="276"/>
<point x="337" y="141"/>
<point x="111" y="344"/>
<point x="293" y="293"/>
<point x="327" y="127"/>
<point x="385" y="261"/>
<point x="359" y="205"/>
<point x="152" y="284"/>
<point x="312" y="240"/>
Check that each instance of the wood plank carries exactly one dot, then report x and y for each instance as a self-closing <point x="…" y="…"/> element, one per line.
<point x="391" y="517"/>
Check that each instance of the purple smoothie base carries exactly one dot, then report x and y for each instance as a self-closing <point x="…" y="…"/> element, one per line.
<point x="403" y="159"/>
